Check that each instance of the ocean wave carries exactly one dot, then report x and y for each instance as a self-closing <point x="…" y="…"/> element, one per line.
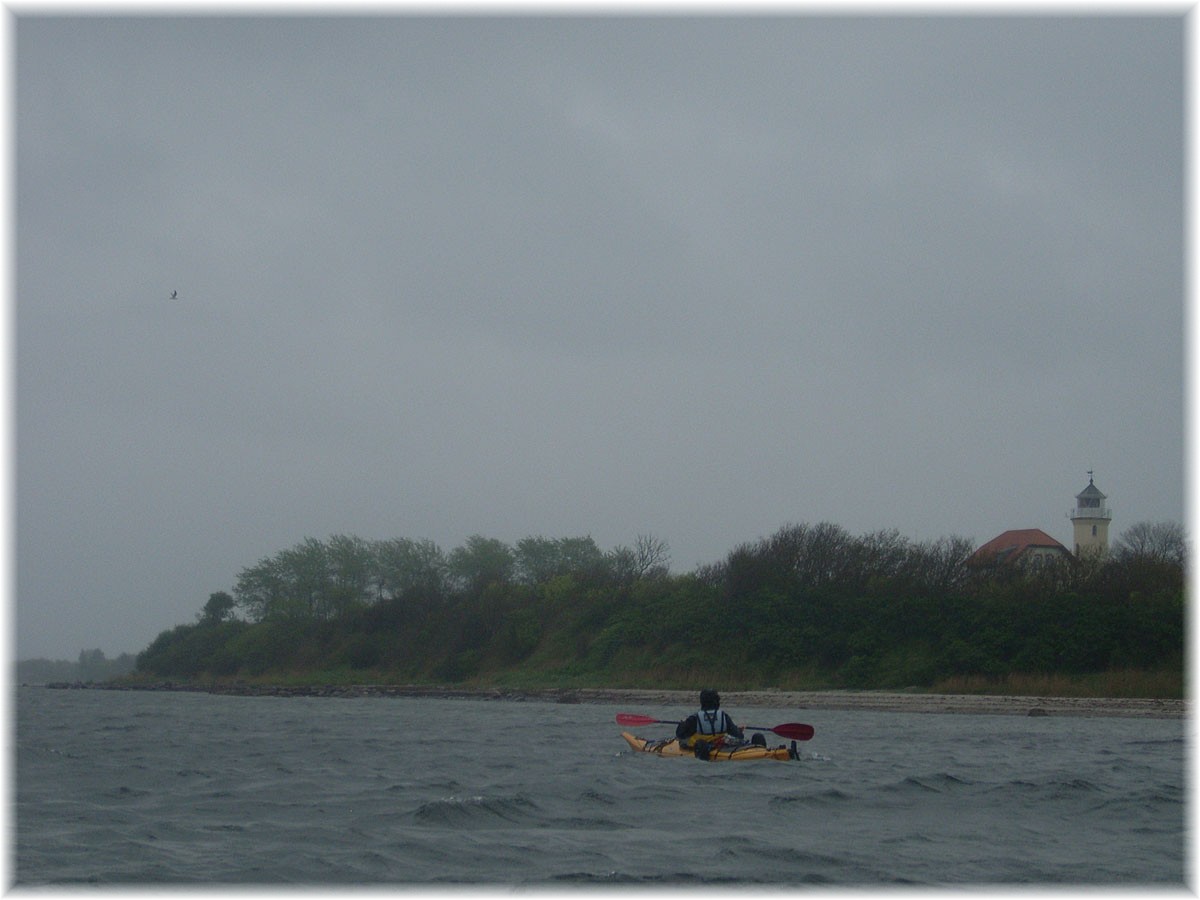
<point x="830" y="796"/>
<point x="475" y="812"/>
<point x="937" y="783"/>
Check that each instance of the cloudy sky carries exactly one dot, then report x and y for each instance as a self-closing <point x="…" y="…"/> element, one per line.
<point x="695" y="278"/>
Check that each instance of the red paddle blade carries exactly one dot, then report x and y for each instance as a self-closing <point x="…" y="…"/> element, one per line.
<point x="795" y="731"/>
<point x="634" y="719"/>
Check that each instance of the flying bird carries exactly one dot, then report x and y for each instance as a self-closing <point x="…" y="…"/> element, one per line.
<point x="174" y="295"/>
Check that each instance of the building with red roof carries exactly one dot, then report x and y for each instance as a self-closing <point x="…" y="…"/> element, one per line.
<point x="1023" y="546"/>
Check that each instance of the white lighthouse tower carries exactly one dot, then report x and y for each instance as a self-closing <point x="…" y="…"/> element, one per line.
<point x="1090" y="518"/>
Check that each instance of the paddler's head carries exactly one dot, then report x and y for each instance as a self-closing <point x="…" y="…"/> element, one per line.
<point x="710" y="699"/>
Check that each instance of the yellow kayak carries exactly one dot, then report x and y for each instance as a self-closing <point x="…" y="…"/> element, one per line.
<point x="672" y="748"/>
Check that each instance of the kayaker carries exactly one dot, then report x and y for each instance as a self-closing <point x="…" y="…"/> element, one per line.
<point x="711" y="725"/>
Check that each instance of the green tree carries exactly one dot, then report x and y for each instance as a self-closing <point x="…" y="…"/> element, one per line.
<point x="407" y="567"/>
<point x="481" y="562"/>
<point x="350" y="569"/>
<point x="311" y="580"/>
<point x="307" y="570"/>
<point x="218" y="608"/>
<point x="538" y="559"/>
<point x="262" y="590"/>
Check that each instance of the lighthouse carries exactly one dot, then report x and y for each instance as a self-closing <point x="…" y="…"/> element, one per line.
<point x="1090" y="518"/>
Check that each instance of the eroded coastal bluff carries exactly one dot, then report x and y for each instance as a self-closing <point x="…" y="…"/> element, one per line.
<point x="879" y="701"/>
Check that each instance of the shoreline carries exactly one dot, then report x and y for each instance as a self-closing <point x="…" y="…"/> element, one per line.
<point x="846" y="700"/>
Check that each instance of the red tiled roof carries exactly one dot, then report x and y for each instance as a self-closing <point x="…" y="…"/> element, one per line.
<point x="1012" y="544"/>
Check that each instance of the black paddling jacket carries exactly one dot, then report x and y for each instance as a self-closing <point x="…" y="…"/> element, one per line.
<point x="705" y="725"/>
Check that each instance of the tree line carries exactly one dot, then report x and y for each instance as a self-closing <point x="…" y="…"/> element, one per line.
<point x="324" y="580"/>
<point x="809" y="606"/>
<point x="92" y="665"/>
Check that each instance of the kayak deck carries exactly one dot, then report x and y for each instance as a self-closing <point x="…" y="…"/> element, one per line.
<point x="672" y="748"/>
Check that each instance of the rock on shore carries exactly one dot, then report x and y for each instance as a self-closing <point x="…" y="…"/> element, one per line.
<point x="877" y="701"/>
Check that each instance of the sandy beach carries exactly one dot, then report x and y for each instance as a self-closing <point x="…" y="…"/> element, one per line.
<point x="654" y="702"/>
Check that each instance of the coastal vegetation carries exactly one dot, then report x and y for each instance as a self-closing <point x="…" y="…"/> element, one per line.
<point x="92" y="665"/>
<point x="810" y="607"/>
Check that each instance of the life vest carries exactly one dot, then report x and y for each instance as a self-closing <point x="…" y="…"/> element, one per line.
<point x="711" y="722"/>
<point x="710" y="726"/>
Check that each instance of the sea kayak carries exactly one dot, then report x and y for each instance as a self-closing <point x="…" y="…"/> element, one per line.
<point x="747" y="751"/>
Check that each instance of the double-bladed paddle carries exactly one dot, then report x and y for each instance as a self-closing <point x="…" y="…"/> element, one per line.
<point x="792" y="730"/>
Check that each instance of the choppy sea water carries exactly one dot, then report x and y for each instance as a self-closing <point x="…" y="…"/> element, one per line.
<point x="196" y="789"/>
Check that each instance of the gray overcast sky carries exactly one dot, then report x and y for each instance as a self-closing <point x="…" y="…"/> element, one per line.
<point x="689" y="277"/>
